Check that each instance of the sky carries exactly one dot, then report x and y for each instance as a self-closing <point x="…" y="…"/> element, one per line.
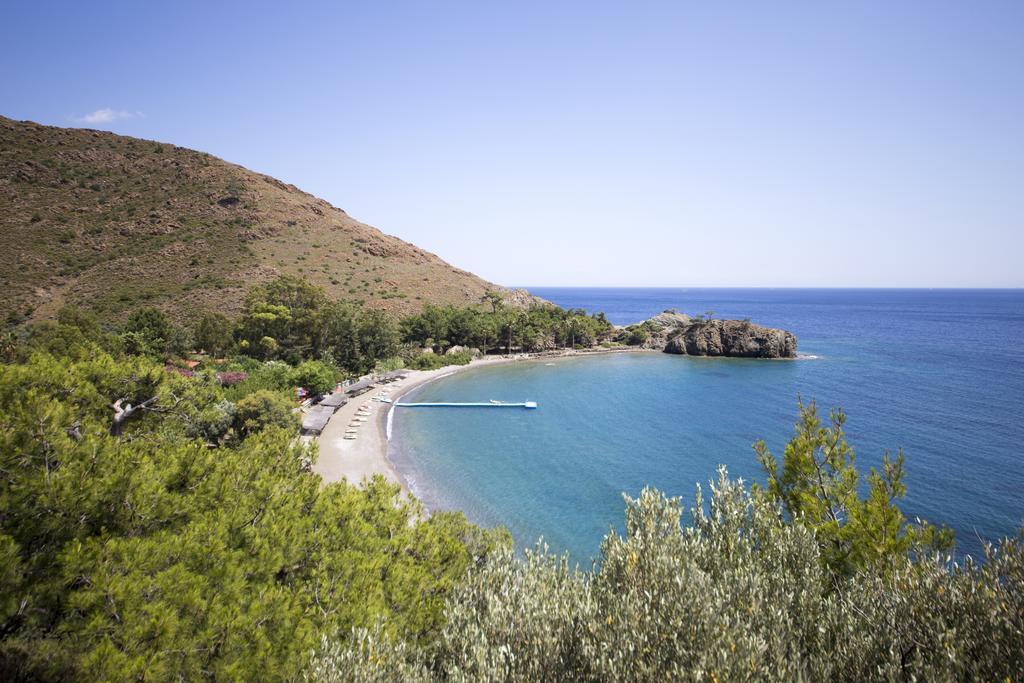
<point x="773" y="144"/>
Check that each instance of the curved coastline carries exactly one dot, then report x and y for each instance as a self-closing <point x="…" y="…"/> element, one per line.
<point x="356" y="460"/>
<point x="370" y="455"/>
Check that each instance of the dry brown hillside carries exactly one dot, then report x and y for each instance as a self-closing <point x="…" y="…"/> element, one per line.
<point x="114" y="222"/>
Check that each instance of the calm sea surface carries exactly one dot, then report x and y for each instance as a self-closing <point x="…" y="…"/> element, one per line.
<point x="936" y="372"/>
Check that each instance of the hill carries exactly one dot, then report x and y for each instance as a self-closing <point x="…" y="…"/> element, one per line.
<point x="113" y="222"/>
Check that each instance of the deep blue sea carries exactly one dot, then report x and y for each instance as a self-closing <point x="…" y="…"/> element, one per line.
<point x="938" y="373"/>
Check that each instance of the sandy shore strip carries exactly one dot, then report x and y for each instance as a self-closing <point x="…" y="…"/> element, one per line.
<point x="367" y="455"/>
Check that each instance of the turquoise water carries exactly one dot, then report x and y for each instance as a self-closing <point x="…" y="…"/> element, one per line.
<point x="937" y="373"/>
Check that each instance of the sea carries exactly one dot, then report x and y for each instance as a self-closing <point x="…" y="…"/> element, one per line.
<point x="936" y="373"/>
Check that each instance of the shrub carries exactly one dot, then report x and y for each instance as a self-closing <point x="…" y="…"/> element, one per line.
<point x="433" y="361"/>
<point x="231" y="378"/>
<point x="148" y="331"/>
<point x="637" y="336"/>
<point x="272" y="376"/>
<point x="263" y="409"/>
<point x="740" y="594"/>
<point x="315" y="376"/>
<point x="211" y="332"/>
<point x="212" y="422"/>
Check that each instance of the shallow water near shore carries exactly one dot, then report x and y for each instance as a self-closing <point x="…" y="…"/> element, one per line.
<point x="937" y="373"/>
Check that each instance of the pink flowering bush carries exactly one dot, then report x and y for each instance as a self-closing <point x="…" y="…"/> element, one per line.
<point x="228" y="379"/>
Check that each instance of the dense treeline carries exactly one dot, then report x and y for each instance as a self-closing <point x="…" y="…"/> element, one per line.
<point x="286" y="319"/>
<point x="195" y="543"/>
<point x="801" y="580"/>
<point x="294" y="322"/>
<point x="539" y="328"/>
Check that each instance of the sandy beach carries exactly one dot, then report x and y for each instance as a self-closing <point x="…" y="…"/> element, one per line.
<point x="367" y="455"/>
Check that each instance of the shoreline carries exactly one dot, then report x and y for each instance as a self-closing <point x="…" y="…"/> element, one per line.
<point x="357" y="460"/>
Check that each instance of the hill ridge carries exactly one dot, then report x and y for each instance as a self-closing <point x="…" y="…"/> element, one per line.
<point x="113" y="222"/>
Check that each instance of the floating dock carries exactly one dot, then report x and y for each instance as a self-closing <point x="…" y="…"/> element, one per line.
<point x="524" y="404"/>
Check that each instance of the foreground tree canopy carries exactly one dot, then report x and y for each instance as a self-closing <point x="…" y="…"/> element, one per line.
<point x="154" y="556"/>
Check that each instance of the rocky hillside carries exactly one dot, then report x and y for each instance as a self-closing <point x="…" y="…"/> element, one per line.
<point x="113" y="222"/>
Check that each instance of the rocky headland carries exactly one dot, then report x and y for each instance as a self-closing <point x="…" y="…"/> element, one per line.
<point x="679" y="333"/>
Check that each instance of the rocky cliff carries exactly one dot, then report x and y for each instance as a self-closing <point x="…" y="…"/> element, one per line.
<point x="738" y="338"/>
<point x="674" y="332"/>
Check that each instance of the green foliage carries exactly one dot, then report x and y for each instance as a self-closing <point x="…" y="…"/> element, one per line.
<point x="637" y="335"/>
<point x="154" y="556"/>
<point x="377" y="337"/>
<point x="819" y="487"/>
<point x="212" y="333"/>
<point x="428" y="361"/>
<point x="433" y="361"/>
<point x="339" y="335"/>
<point x="494" y="299"/>
<point x="213" y="422"/>
<point x="150" y="332"/>
<point x="291" y="319"/>
<point x="389" y="364"/>
<point x="86" y="322"/>
<point x="739" y="594"/>
<point x="275" y="376"/>
<point x="75" y="333"/>
<point x="282" y="317"/>
<point x="262" y="409"/>
<point x="315" y="376"/>
<point x="535" y="329"/>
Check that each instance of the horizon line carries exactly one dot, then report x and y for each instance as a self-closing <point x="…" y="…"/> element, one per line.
<point x="794" y="287"/>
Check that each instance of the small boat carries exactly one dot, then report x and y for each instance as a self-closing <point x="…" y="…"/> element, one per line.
<point x="550" y="365"/>
<point x="497" y="403"/>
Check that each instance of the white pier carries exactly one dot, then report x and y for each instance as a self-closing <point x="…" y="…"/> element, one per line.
<point x="492" y="404"/>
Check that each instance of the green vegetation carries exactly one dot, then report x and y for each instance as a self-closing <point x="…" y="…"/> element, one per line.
<point x="211" y="333"/>
<point x="316" y="376"/>
<point x="290" y="319"/>
<point x="262" y="409"/>
<point x="538" y="328"/>
<point x="750" y="590"/>
<point x="197" y="544"/>
<point x="150" y="332"/>
<point x="291" y="334"/>
<point x="819" y="487"/>
<point x="433" y="361"/>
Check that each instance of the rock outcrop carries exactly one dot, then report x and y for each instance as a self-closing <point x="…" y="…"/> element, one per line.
<point x="674" y="332"/>
<point x="734" y="338"/>
<point x="663" y="327"/>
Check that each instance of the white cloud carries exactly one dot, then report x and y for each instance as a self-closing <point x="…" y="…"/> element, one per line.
<point x="107" y="115"/>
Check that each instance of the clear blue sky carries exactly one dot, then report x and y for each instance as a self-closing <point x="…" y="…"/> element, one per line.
<point x="590" y="143"/>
